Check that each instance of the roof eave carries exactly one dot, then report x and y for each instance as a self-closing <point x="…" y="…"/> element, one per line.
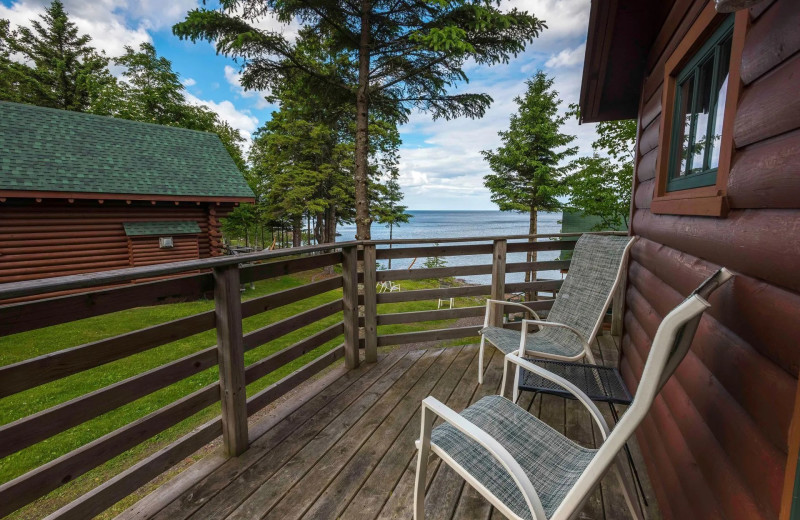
<point x="35" y="194"/>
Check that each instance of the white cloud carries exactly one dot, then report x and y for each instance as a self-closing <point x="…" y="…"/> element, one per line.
<point x="567" y="57"/>
<point x="234" y="79"/>
<point x="242" y="120"/>
<point x="103" y="20"/>
<point x="189" y="82"/>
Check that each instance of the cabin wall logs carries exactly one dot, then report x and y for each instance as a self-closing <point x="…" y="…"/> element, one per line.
<point x="58" y="238"/>
<point x="717" y="439"/>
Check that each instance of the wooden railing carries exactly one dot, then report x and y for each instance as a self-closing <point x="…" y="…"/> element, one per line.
<point x="111" y="291"/>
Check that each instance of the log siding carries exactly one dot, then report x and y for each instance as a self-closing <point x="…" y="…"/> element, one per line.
<point x="58" y="238"/>
<point x="717" y="443"/>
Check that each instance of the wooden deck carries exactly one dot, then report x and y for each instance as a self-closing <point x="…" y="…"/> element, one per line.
<point x="343" y="447"/>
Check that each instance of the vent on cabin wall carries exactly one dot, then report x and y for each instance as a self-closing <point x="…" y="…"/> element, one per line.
<point x="162" y="241"/>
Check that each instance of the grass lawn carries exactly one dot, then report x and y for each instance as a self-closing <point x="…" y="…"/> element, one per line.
<point x="30" y="344"/>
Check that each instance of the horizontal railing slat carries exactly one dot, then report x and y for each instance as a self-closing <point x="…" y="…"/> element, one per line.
<point x="275" y="390"/>
<point x="40" y="481"/>
<point x="540" y="285"/>
<point x="280" y="328"/>
<point x="264" y="366"/>
<point x="115" y="489"/>
<point x="432" y="294"/>
<point x="99" y="279"/>
<point x="433" y="315"/>
<point x="287" y="296"/>
<point x="548" y="245"/>
<point x="428" y="335"/>
<point x="522" y="267"/>
<point x="451" y="240"/>
<point x="24" y="316"/>
<point x="250" y="273"/>
<point x="33" y="372"/>
<point x="437" y="272"/>
<point x="425" y="251"/>
<point x="42" y="425"/>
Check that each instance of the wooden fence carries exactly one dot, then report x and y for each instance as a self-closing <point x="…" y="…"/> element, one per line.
<point x="112" y="291"/>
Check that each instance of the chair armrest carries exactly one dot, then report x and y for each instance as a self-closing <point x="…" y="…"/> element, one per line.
<point x="513" y="358"/>
<point x="494" y="448"/>
<point x="491" y="302"/>
<point x="542" y="323"/>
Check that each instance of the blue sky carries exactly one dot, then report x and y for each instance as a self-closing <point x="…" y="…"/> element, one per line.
<point x="441" y="165"/>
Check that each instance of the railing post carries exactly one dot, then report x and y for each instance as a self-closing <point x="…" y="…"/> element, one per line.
<point x="498" y="291"/>
<point x="350" y="305"/>
<point x="618" y="304"/>
<point x="370" y="305"/>
<point x="228" y="312"/>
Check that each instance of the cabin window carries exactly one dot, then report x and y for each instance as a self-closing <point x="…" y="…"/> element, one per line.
<point x="699" y="97"/>
<point x="699" y="111"/>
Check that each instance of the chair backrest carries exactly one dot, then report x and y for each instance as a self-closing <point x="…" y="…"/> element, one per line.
<point x="587" y="290"/>
<point x="670" y="345"/>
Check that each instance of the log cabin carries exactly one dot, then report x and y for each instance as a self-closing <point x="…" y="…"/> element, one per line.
<point x="716" y="183"/>
<point x="82" y="193"/>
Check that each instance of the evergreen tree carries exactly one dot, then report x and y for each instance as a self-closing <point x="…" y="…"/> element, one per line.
<point x="62" y="69"/>
<point x="304" y="155"/>
<point x="400" y="54"/>
<point x="528" y="165"/>
<point x="389" y="211"/>
<point x="8" y="89"/>
<point x="600" y="185"/>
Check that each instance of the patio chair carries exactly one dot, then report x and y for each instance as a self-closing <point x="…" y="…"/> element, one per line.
<point x="577" y="312"/>
<point x="525" y="468"/>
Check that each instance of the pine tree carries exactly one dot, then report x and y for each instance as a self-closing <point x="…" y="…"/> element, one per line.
<point x="399" y="55"/>
<point x="528" y="165"/>
<point x="62" y="69"/>
<point x="389" y="211"/>
<point x="600" y="185"/>
<point x="8" y="89"/>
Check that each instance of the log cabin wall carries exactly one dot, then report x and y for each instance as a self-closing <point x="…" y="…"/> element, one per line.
<point x="57" y="238"/>
<point x="717" y="442"/>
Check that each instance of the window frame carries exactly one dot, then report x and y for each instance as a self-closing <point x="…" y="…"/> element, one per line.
<point x="707" y="199"/>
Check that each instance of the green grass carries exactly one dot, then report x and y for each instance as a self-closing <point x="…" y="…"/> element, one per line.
<point x="30" y="344"/>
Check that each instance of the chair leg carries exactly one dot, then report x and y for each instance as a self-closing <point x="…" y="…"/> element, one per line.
<point x="480" y="359"/>
<point x="628" y="490"/>
<point x="424" y="448"/>
<point x="515" y="393"/>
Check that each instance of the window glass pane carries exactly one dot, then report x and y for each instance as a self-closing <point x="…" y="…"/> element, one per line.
<point x="721" y="89"/>
<point x="686" y="90"/>
<point x="702" y="110"/>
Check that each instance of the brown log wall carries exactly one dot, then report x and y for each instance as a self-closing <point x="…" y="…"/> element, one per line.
<point x="716" y="443"/>
<point x="57" y="238"/>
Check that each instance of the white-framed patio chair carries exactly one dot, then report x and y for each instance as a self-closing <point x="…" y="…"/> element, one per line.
<point x="596" y="268"/>
<point x="523" y="467"/>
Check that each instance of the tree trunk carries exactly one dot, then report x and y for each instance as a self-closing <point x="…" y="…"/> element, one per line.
<point x="362" y="126"/>
<point x="246" y="237"/>
<point x="319" y="221"/>
<point x="297" y="231"/>
<point x="391" y="226"/>
<point x="530" y="276"/>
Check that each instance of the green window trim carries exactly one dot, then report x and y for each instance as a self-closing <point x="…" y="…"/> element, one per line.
<point x="709" y="54"/>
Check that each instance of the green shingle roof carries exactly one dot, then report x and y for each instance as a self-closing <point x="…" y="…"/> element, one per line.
<point x="173" y="227"/>
<point x="45" y="149"/>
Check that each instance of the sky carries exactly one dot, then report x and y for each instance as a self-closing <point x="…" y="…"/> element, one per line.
<point x="441" y="167"/>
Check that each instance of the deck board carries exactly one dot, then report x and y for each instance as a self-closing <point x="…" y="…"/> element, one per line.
<point x="348" y="451"/>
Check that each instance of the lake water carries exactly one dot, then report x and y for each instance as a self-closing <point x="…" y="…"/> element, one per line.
<point x="451" y="224"/>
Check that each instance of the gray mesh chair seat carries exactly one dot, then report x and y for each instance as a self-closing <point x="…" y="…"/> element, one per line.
<point x="580" y="305"/>
<point x="552" y="462"/>
<point x="544" y="341"/>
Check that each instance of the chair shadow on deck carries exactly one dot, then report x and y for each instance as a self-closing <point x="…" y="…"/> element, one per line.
<point x="342" y="446"/>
